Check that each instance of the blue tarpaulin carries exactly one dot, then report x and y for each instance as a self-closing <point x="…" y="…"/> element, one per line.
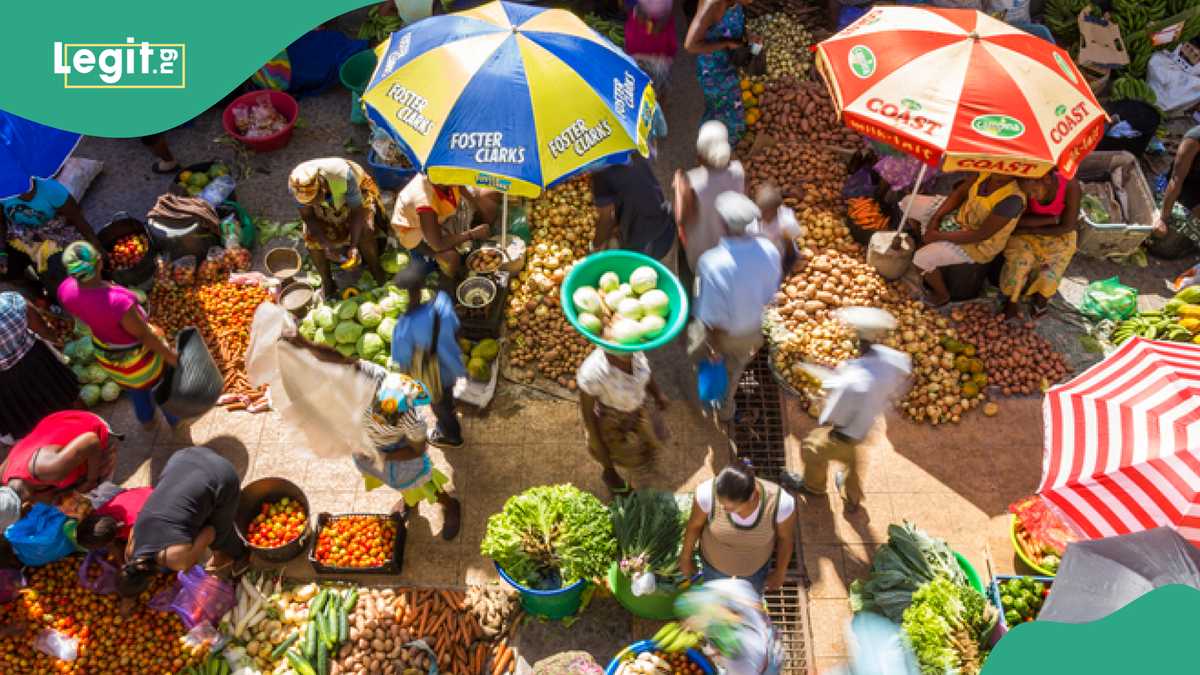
<point x="30" y="149"/>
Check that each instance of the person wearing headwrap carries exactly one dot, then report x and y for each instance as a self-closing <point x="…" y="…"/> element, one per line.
<point x="338" y="206"/>
<point x="35" y="227"/>
<point x="132" y="353"/>
<point x="34" y="381"/>
<point x="697" y="222"/>
<point x="856" y="395"/>
<point x="442" y="221"/>
<point x="736" y="280"/>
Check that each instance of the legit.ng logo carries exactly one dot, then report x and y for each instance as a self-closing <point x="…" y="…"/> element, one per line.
<point x="121" y="65"/>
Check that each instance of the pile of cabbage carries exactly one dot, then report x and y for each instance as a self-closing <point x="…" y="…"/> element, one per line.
<point x="360" y="326"/>
<point x="627" y="312"/>
<point x="81" y="357"/>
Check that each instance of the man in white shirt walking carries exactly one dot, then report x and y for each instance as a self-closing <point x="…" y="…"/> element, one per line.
<point x="858" y="392"/>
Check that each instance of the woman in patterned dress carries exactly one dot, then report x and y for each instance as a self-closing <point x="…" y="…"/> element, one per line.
<point x="1041" y="248"/>
<point x="719" y="28"/>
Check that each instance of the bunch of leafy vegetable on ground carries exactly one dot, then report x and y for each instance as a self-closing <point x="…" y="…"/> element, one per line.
<point x="948" y="625"/>
<point x="550" y="536"/>
<point x="910" y="559"/>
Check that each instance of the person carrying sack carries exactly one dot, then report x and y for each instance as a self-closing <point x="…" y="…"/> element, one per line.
<point x="425" y="345"/>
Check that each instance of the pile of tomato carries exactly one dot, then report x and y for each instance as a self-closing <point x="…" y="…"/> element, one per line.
<point x="356" y="541"/>
<point x="129" y="251"/>
<point x="147" y="641"/>
<point x="277" y="524"/>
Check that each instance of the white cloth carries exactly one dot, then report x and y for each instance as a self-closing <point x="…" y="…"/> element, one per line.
<point x="613" y="387"/>
<point x="940" y="254"/>
<point x="860" y="389"/>
<point x="781" y="231"/>
<point x="787" y="505"/>
<point x="10" y="507"/>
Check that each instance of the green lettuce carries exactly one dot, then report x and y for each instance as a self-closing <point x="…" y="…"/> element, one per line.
<point x="948" y="626"/>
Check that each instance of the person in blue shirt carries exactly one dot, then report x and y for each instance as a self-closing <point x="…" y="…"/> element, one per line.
<point x="438" y="366"/>
<point x="35" y="228"/>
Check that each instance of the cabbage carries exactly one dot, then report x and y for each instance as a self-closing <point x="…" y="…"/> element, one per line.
<point x="609" y="281"/>
<point x="590" y="322"/>
<point x="652" y="325"/>
<point x="381" y="359"/>
<point x="95" y="374"/>
<point x="307" y="329"/>
<point x="385" y="329"/>
<point x="586" y="299"/>
<point x="79" y="351"/>
<point x="80" y="371"/>
<point x="346" y="310"/>
<point x="110" y="391"/>
<point x="655" y="302"/>
<point x="347" y="333"/>
<point x="626" y="331"/>
<point x="630" y="309"/>
<point x="324" y="336"/>
<point x="643" y="279"/>
<point x="346" y="350"/>
<point x="89" y="394"/>
<point x="393" y="261"/>
<point x="323" y="317"/>
<point x="389" y="305"/>
<point x="613" y="298"/>
<point x="369" y="315"/>
<point x="369" y="344"/>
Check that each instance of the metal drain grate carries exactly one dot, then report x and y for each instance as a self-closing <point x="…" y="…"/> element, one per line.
<point x="758" y="430"/>
<point x="789" y="612"/>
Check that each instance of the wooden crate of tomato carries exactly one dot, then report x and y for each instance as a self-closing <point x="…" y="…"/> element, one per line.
<point x="359" y="543"/>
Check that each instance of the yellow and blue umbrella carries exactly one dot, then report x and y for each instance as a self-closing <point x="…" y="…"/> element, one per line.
<point x="509" y="97"/>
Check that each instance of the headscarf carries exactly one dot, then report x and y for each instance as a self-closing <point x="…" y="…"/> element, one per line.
<point x="81" y="260"/>
<point x="307" y="187"/>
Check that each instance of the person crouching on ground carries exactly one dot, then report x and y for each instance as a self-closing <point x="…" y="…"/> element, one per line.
<point x="68" y="451"/>
<point x="110" y="524"/>
<point x="858" y="392"/>
<point x="614" y="400"/>
<point x="1042" y="245"/>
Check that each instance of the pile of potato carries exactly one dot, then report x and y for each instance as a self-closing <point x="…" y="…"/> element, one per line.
<point x="1018" y="360"/>
<point x="563" y="223"/>
<point x="786" y="41"/>
<point x="825" y="228"/>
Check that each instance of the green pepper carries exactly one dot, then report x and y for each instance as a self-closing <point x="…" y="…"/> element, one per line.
<point x="1012" y="618"/>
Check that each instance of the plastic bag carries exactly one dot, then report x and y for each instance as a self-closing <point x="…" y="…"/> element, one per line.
<point x="213" y="267"/>
<point x="861" y="183"/>
<point x="1109" y="299"/>
<point x="97" y="574"/>
<point x="40" y="537"/>
<point x="191" y="388"/>
<point x="183" y="271"/>
<point x="1010" y="11"/>
<point x="55" y="644"/>
<point x="712" y="381"/>
<point x="643" y="583"/>
<point x="202" y="598"/>
<point x="237" y="258"/>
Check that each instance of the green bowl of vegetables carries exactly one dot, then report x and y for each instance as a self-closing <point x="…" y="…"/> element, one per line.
<point x="624" y="301"/>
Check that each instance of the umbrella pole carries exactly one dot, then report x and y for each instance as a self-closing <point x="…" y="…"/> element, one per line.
<point x="912" y="198"/>
<point x="504" y="223"/>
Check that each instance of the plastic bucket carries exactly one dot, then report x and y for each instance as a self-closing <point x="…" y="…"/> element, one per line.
<point x="285" y="104"/>
<point x="123" y="225"/>
<point x="657" y="606"/>
<point x="386" y="176"/>
<point x="556" y="604"/>
<point x="1025" y="558"/>
<point x="648" y="646"/>
<point x="355" y="74"/>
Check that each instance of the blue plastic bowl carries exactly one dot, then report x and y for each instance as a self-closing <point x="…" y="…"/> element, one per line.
<point x="558" y="603"/>
<point x="649" y="646"/>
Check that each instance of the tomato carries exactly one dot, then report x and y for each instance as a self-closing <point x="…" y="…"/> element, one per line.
<point x="277" y="524"/>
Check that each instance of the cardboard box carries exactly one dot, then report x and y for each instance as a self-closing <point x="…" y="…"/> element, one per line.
<point x="1132" y="191"/>
<point x="1101" y="46"/>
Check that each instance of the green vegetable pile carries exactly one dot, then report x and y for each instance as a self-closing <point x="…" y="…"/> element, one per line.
<point x="614" y="31"/>
<point x="947" y="624"/>
<point x="360" y="325"/>
<point x="648" y="525"/>
<point x="96" y="387"/>
<point x="550" y="535"/>
<point x="909" y="560"/>
<point x="1022" y="599"/>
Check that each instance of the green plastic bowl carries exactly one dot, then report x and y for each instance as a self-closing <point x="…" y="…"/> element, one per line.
<point x="657" y="606"/>
<point x="969" y="570"/>
<point x="587" y="272"/>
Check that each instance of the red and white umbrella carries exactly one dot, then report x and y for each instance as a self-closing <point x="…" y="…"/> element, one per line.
<point x="962" y="91"/>
<point x="1123" y="442"/>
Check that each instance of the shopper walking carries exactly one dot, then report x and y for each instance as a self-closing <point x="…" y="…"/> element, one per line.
<point x="699" y="225"/>
<point x="339" y="204"/>
<point x="858" y="393"/>
<point x="34" y="382"/>
<point x="736" y="280"/>
<point x="191" y="510"/>
<point x="425" y="345"/>
<point x="633" y="211"/>
<point x="131" y="351"/>
<point x="717" y="30"/>
<point x="740" y="522"/>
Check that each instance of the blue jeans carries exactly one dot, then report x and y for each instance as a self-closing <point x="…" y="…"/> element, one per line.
<point x="757" y="580"/>
<point x="143" y="406"/>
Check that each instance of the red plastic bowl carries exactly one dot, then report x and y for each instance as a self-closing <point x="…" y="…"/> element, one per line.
<point x="285" y="104"/>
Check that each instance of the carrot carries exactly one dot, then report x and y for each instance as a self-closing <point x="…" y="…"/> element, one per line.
<point x="503" y="660"/>
<point x="449" y="598"/>
<point x="480" y="657"/>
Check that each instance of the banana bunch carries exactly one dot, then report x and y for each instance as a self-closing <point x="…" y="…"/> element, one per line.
<point x="1061" y="17"/>
<point x="614" y="31"/>
<point x="1152" y="326"/>
<point x="674" y="638"/>
<point x="1134" y="15"/>
<point x="1127" y="87"/>
<point x="1176" y="6"/>
<point x="1139" y="48"/>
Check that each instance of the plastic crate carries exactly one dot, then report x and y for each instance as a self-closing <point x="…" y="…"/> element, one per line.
<point x="393" y="566"/>
<point x="1117" y="240"/>
<point x="993" y="594"/>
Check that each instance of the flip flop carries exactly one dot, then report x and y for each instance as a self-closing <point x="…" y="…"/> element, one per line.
<point x="164" y="172"/>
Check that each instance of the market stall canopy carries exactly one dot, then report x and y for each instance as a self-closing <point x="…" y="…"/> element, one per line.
<point x="961" y="91"/>
<point x="29" y="149"/>
<point x="1099" y="577"/>
<point x="1122" y="442"/>
<point x="509" y="97"/>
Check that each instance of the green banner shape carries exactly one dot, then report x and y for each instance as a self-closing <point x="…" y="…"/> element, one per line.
<point x="137" y="67"/>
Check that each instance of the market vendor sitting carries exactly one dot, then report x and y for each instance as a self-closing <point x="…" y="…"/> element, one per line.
<point x="986" y="209"/>
<point x="438" y="220"/>
<point x="35" y="227"/>
<point x="1042" y="245"/>
<point x="338" y="206"/>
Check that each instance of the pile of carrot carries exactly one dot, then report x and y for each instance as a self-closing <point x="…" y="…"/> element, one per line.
<point x="865" y="213"/>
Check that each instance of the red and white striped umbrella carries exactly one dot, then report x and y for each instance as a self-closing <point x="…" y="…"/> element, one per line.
<point x="961" y="91"/>
<point x="1123" y="442"/>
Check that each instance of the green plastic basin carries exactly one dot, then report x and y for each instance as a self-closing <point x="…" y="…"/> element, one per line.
<point x="356" y="74"/>
<point x="657" y="606"/>
<point x="556" y="604"/>
<point x="587" y="272"/>
<point x="969" y="571"/>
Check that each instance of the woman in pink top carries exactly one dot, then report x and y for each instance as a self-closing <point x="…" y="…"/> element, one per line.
<point x="131" y="351"/>
<point x="1042" y="245"/>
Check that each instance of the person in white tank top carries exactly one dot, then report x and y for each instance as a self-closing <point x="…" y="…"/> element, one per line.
<point x="700" y="226"/>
